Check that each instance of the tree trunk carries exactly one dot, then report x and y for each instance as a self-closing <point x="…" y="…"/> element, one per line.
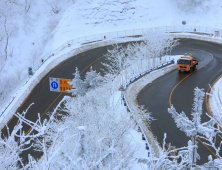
<point x="194" y="148"/>
<point x="6" y="48"/>
<point x="6" y="45"/>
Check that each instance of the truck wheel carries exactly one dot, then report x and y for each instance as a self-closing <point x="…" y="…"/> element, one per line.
<point x="179" y="71"/>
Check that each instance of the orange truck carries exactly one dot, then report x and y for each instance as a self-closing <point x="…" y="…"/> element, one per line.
<point x="186" y="62"/>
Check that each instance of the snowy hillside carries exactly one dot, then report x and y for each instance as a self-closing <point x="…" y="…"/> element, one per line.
<point x="98" y="16"/>
<point x="30" y="29"/>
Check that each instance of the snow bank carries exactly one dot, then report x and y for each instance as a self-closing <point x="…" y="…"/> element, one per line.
<point x="215" y="101"/>
<point x="202" y="37"/>
<point x="131" y="96"/>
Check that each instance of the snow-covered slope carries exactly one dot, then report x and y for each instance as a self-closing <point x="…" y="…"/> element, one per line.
<point x="99" y="16"/>
<point x="47" y="24"/>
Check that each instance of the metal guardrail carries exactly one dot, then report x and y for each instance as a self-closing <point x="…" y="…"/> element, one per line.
<point x="134" y="79"/>
<point x="147" y="72"/>
<point x="135" y="32"/>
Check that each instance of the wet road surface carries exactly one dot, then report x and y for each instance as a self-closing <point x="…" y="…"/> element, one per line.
<point x="156" y="95"/>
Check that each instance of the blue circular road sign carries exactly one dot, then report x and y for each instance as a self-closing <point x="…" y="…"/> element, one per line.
<point x="54" y="85"/>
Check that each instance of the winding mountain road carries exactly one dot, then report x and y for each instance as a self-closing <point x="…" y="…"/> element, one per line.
<point x="155" y="97"/>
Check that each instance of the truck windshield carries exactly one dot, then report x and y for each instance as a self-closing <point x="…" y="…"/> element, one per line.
<point x="183" y="62"/>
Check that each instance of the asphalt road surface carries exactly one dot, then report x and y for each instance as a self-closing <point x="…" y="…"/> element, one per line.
<point x="156" y="96"/>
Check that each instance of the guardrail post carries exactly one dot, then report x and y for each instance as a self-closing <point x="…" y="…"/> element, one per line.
<point x="143" y="137"/>
<point x="139" y="129"/>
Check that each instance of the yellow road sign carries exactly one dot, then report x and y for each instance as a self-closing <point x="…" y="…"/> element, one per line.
<point x="64" y="85"/>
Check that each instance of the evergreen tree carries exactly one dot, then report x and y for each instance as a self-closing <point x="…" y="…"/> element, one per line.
<point x="93" y="79"/>
<point x="78" y="86"/>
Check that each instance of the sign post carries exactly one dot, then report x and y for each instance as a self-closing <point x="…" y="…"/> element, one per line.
<point x="59" y="85"/>
<point x="30" y="71"/>
<point x="216" y="33"/>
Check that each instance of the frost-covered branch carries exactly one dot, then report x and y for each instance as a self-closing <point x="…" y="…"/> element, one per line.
<point x="195" y="128"/>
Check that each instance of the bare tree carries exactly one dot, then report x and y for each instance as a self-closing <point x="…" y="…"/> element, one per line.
<point x="8" y="11"/>
<point x="54" y="5"/>
<point x="27" y="5"/>
<point x="191" y="5"/>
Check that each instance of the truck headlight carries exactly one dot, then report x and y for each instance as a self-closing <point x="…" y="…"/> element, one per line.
<point x="188" y="67"/>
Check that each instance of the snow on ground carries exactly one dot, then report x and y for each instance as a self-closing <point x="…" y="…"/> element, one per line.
<point x="93" y="17"/>
<point x="134" y="137"/>
<point x="215" y="102"/>
<point x="140" y="145"/>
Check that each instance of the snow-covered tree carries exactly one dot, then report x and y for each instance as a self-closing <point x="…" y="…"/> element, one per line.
<point x="172" y="43"/>
<point x="122" y="60"/>
<point x="93" y="79"/>
<point x="158" y="44"/>
<point x="169" y="158"/>
<point x="145" y="114"/>
<point x="192" y="5"/>
<point x="55" y="5"/>
<point x="78" y="85"/>
<point x="195" y="128"/>
<point x="115" y="58"/>
<point x="16" y="142"/>
<point x="10" y="150"/>
<point x="93" y="135"/>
